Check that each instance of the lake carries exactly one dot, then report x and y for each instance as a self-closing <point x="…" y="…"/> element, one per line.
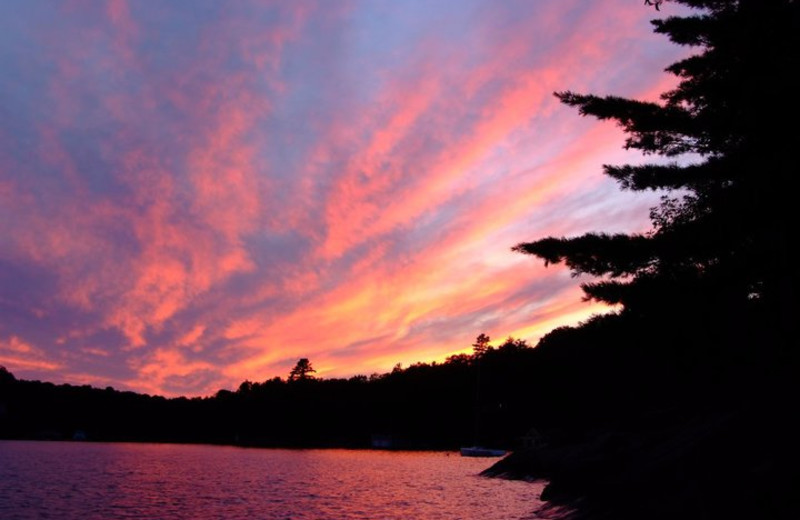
<point x="71" y="480"/>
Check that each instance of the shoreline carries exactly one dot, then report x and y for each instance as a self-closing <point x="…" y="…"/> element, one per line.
<point x="454" y="451"/>
<point x="726" y="465"/>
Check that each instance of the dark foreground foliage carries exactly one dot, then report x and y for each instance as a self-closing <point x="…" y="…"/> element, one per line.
<point x="706" y="425"/>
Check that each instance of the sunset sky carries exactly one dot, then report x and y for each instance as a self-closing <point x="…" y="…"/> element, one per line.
<point x="195" y="193"/>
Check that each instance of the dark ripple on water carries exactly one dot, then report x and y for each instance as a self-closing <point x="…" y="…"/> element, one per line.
<point x="90" y="481"/>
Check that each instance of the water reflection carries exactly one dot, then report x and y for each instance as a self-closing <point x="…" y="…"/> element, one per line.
<point x="100" y="481"/>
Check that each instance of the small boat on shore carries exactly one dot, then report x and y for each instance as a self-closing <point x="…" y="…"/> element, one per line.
<point x="477" y="451"/>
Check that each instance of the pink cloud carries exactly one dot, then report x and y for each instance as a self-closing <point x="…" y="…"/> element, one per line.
<point x="22" y="357"/>
<point x="204" y="197"/>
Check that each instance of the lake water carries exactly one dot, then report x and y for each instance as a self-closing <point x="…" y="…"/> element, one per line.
<point x="66" y="480"/>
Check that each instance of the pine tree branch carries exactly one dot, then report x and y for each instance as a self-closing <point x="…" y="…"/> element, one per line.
<point x="668" y="176"/>
<point x="652" y="128"/>
<point x="596" y="254"/>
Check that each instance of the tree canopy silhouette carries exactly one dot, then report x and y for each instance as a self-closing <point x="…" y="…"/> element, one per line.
<point x="6" y="376"/>
<point x="302" y="371"/>
<point x="424" y="406"/>
<point x="481" y="345"/>
<point x="726" y="137"/>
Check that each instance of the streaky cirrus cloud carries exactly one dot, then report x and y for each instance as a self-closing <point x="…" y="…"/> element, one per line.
<point x="195" y="193"/>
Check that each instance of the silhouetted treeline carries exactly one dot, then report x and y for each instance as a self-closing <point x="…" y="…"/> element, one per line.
<point x="484" y="397"/>
<point x="612" y="368"/>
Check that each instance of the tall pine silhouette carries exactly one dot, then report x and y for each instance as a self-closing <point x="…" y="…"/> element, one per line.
<point x="690" y="379"/>
<point x="726" y="135"/>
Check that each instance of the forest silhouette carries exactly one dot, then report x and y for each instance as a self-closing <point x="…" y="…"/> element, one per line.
<point x="680" y="404"/>
<point x="424" y="406"/>
<point x="701" y="357"/>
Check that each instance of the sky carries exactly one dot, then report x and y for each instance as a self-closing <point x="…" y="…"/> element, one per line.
<point x="197" y="193"/>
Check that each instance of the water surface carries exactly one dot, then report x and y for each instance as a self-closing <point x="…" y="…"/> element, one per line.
<point x="64" y="480"/>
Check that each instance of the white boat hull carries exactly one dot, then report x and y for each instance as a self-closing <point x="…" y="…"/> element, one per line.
<point x="476" y="451"/>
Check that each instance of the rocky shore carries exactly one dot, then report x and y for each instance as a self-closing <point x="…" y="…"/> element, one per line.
<point x="737" y="463"/>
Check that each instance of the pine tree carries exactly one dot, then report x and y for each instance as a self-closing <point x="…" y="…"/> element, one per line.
<point x="727" y="134"/>
<point x="302" y="371"/>
<point x="481" y="345"/>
